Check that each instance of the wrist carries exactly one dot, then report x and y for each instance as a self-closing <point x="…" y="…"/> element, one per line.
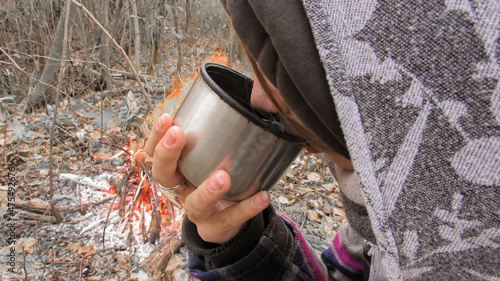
<point x="220" y="255"/>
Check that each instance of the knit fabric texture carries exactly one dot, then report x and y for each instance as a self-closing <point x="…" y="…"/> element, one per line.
<point x="345" y="254"/>
<point x="278" y="36"/>
<point x="416" y="89"/>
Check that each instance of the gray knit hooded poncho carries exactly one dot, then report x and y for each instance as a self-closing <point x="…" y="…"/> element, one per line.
<point x="410" y="91"/>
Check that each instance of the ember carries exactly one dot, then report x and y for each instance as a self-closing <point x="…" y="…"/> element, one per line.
<point x="142" y="205"/>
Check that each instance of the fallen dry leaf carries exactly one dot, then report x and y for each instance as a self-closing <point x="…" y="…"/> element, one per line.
<point x="315" y="215"/>
<point x="99" y="156"/>
<point x="86" y="250"/>
<point x="26" y="245"/>
<point x="338" y="212"/>
<point x="315" y="177"/>
<point x="74" y="247"/>
<point x="330" y="186"/>
<point x="173" y="263"/>
<point x="327" y="209"/>
<point x="44" y="173"/>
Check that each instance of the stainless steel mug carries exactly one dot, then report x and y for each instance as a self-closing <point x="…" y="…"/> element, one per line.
<point x="224" y="132"/>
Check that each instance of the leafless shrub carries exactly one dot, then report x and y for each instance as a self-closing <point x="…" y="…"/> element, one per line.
<point x="28" y="28"/>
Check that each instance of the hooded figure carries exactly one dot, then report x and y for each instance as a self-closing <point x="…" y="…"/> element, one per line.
<point x="409" y="91"/>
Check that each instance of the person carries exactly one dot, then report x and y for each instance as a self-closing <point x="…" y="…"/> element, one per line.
<point x="404" y="98"/>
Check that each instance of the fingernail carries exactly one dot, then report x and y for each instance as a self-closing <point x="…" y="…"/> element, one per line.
<point x="216" y="183"/>
<point x="161" y="122"/>
<point x="169" y="139"/>
<point x="261" y="199"/>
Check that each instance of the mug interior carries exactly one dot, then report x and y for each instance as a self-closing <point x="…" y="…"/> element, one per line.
<point x="235" y="89"/>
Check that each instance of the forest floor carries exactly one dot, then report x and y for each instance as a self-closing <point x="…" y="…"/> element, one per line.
<point x="89" y="229"/>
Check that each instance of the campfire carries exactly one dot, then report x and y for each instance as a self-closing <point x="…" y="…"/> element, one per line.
<point x="145" y="207"/>
<point x="121" y="207"/>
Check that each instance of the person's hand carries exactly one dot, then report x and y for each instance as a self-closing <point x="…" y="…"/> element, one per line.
<point x="217" y="220"/>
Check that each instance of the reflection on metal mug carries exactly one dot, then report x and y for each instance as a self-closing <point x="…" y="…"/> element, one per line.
<point x="224" y="132"/>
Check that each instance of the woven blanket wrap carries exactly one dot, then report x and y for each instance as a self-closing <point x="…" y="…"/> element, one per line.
<point x="416" y="87"/>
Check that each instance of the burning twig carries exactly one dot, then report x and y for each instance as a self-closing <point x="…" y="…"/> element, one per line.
<point x="121" y="191"/>
<point x="155" y="226"/>
<point x="143" y="224"/>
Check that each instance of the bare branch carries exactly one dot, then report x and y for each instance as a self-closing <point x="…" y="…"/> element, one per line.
<point x="129" y="62"/>
<point x="24" y="72"/>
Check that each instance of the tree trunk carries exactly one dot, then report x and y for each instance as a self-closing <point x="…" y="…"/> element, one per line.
<point x="188" y="15"/>
<point x="137" y="40"/>
<point x="54" y="61"/>
<point x="177" y="35"/>
<point x="118" y="24"/>
<point x="106" y="49"/>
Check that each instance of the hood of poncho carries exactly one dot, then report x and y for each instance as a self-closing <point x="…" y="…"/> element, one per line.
<point x="416" y="88"/>
<point x="278" y="36"/>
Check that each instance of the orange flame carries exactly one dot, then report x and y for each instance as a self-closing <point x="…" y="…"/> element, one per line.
<point x="180" y="87"/>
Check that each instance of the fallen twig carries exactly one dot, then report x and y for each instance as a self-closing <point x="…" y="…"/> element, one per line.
<point x="45" y="208"/>
<point x="121" y="191"/>
<point x="97" y="223"/>
<point x="37" y="217"/>
<point x="125" y="90"/>
<point x="159" y="258"/>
